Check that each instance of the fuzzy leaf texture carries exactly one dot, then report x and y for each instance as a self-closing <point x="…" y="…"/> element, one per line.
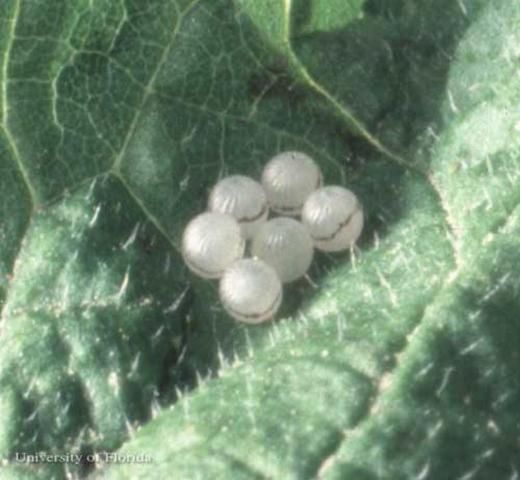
<point x="115" y="120"/>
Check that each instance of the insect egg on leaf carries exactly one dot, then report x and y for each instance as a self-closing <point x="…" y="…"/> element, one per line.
<point x="250" y="291"/>
<point x="288" y="179"/>
<point x="334" y="218"/>
<point x="285" y="244"/>
<point x="210" y="243"/>
<point x="244" y="199"/>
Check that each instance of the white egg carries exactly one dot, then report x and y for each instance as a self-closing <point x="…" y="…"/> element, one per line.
<point x="250" y="291"/>
<point x="243" y="198"/>
<point x="210" y="243"/>
<point x="334" y="218"/>
<point x="285" y="244"/>
<point x="288" y="179"/>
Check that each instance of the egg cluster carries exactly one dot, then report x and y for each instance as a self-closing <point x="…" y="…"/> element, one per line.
<point x="280" y="249"/>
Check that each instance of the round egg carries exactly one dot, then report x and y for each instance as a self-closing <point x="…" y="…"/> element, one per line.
<point x="250" y="291"/>
<point x="244" y="199"/>
<point x="210" y="243"/>
<point x="333" y="217"/>
<point x="288" y="179"/>
<point x="285" y="244"/>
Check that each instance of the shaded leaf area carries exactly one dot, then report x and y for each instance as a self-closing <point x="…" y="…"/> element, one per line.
<point x="422" y="36"/>
<point x="87" y="334"/>
<point x="279" y="24"/>
<point x="14" y="214"/>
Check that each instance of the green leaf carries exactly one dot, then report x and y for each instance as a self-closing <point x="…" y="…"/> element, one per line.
<point x="14" y="213"/>
<point x="404" y="365"/>
<point x="325" y="15"/>
<point x="284" y="24"/>
<point x="280" y="21"/>
<point x="116" y="118"/>
<point x="112" y="130"/>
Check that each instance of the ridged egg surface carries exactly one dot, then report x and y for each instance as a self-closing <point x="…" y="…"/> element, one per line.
<point x="288" y="179"/>
<point x="211" y="242"/>
<point x="285" y="244"/>
<point x="250" y="291"/>
<point x="244" y="199"/>
<point x="334" y="217"/>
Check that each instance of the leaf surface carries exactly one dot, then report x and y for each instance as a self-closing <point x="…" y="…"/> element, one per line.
<point x="117" y="117"/>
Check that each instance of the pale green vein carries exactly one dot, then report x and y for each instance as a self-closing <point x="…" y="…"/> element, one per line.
<point x="204" y="109"/>
<point x="342" y="111"/>
<point x="150" y="216"/>
<point x="223" y="118"/>
<point x="454" y="229"/>
<point x="122" y="21"/>
<point x="5" y="107"/>
<point x="386" y="377"/>
<point x="149" y="89"/>
<point x="147" y="213"/>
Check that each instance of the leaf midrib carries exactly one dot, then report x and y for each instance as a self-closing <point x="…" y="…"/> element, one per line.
<point x="5" y="106"/>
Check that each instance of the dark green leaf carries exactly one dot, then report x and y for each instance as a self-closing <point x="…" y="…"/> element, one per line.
<point x="116" y="118"/>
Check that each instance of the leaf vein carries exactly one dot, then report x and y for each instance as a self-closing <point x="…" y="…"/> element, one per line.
<point x="5" y="107"/>
<point x="149" y="89"/>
